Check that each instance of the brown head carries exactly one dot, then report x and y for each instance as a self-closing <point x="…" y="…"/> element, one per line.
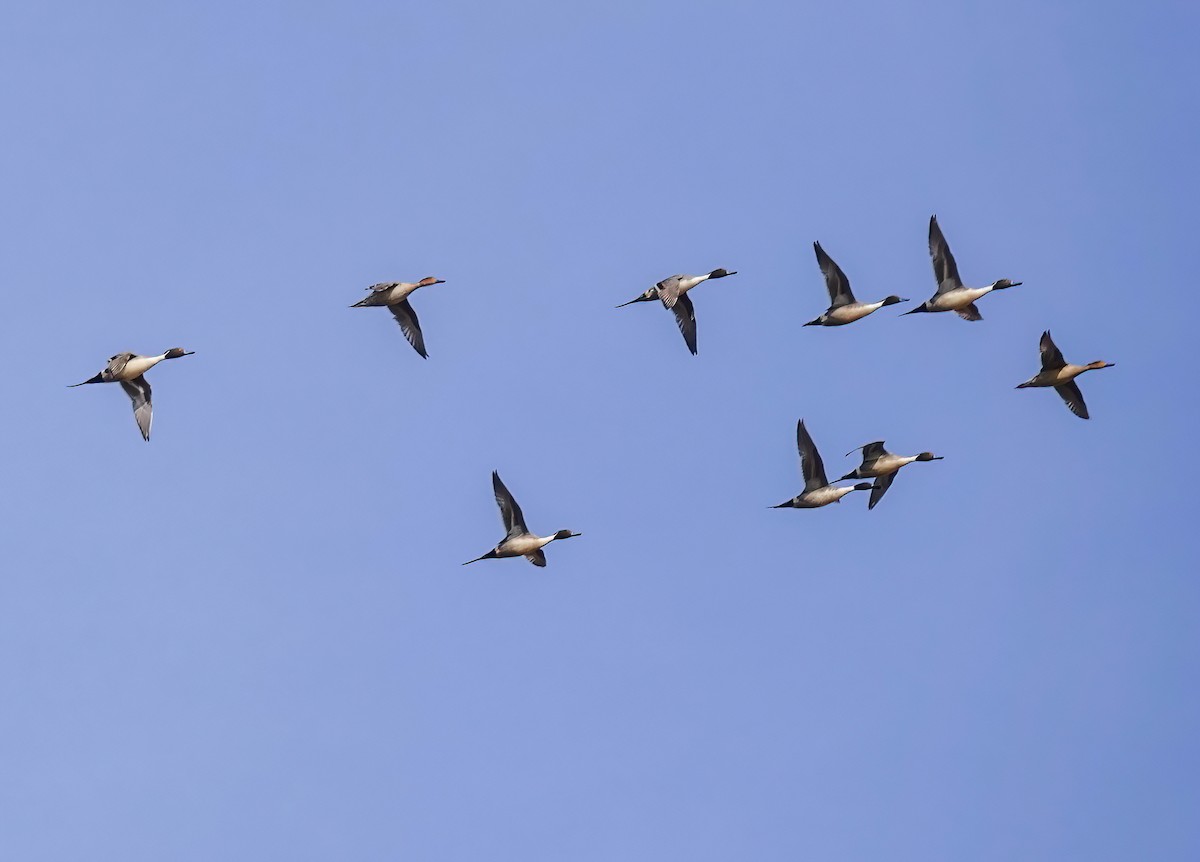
<point x="428" y="280"/>
<point x="1099" y="363"/>
<point x="176" y="352"/>
<point x="929" y="456"/>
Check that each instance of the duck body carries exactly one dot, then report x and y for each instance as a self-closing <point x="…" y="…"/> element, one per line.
<point x="819" y="497"/>
<point x="843" y="314"/>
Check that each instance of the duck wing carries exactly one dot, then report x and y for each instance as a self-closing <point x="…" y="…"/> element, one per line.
<point x="138" y="391"/>
<point x="537" y="558"/>
<point x="945" y="269"/>
<point x="510" y="512"/>
<point x="879" y="488"/>
<point x="835" y="280"/>
<point x="969" y="312"/>
<point x="409" y="325"/>
<point x="871" y="452"/>
<point x="685" y="319"/>
<point x="1074" y="398"/>
<point x="1052" y="357"/>
<point x="811" y="465"/>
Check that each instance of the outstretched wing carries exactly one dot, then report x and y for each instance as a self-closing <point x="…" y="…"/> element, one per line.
<point x="538" y="558"/>
<point x="969" y="312"/>
<point x="811" y="466"/>
<point x="1074" y="398"/>
<point x="835" y="280"/>
<point x="872" y="451"/>
<point x="407" y="318"/>
<point x="945" y="270"/>
<point x="510" y="512"/>
<point x="138" y="391"/>
<point x="879" y="488"/>
<point x="668" y="291"/>
<point x="1052" y="357"/>
<point x="685" y="319"/>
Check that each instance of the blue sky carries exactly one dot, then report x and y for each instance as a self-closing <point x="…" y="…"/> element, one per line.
<point x="252" y="638"/>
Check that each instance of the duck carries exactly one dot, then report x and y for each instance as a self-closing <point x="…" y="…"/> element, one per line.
<point x="394" y="294"/>
<point x="817" y="490"/>
<point x="951" y="295"/>
<point x="518" y="541"/>
<point x="843" y="307"/>
<point x="128" y="370"/>
<point x="882" y="466"/>
<point x="1060" y="374"/>
<point x="672" y="292"/>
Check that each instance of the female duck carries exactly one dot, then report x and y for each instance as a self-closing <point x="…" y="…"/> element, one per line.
<point x="394" y="294"/>
<point x="518" y="541"/>
<point x="951" y="295"/>
<point x="817" y="490"/>
<point x="127" y="369"/>
<point x="1060" y="374"/>
<point x="843" y="307"/>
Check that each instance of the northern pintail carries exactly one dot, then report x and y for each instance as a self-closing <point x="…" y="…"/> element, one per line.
<point x="1060" y="374"/>
<point x="127" y="369"/>
<point x="518" y="541"/>
<point x="394" y="294"/>
<point x="673" y="294"/>
<point x="882" y="466"/>
<point x="951" y="295"/>
<point x="817" y="490"/>
<point x="843" y="307"/>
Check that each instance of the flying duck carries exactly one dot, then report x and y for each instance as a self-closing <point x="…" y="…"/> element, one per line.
<point x="951" y="295"/>
<point x="518" y="541"/>
<point x="1060" y="374"/>
<point x="843" y="307"/>
<point x="882" y="466"/>
<point x="394" y="294"/>
<point x="817" y="490"/>
<point x="127" y="369"/>
<point x="673" y="294"/>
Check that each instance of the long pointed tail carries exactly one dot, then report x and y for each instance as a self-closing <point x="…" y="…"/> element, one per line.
<point x="99" y="378"/>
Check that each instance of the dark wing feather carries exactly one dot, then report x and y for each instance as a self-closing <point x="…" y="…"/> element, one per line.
<point x="872" y="451"/>
<point x="945" y="269"/>
<point x="879" y="488"/>
<point x="970" y="312"/>
<point x="510" y="512"/>
<point x="835" y="280"/>
<point x="811" y="465"/>
<point x="407" y="318"/>
<point x="685" y="319"/>
<point x="1074" y="398"/>
<point x="1052" y="357"/>
<point x="138" y="391"/>
<point x="538" y="558"/>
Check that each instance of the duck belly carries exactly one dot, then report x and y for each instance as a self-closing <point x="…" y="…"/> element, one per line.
<point x="521" y="545"/>
<point x="956" y="300"/>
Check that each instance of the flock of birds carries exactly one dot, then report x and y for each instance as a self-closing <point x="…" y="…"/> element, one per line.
<point x="878" y="464"/>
